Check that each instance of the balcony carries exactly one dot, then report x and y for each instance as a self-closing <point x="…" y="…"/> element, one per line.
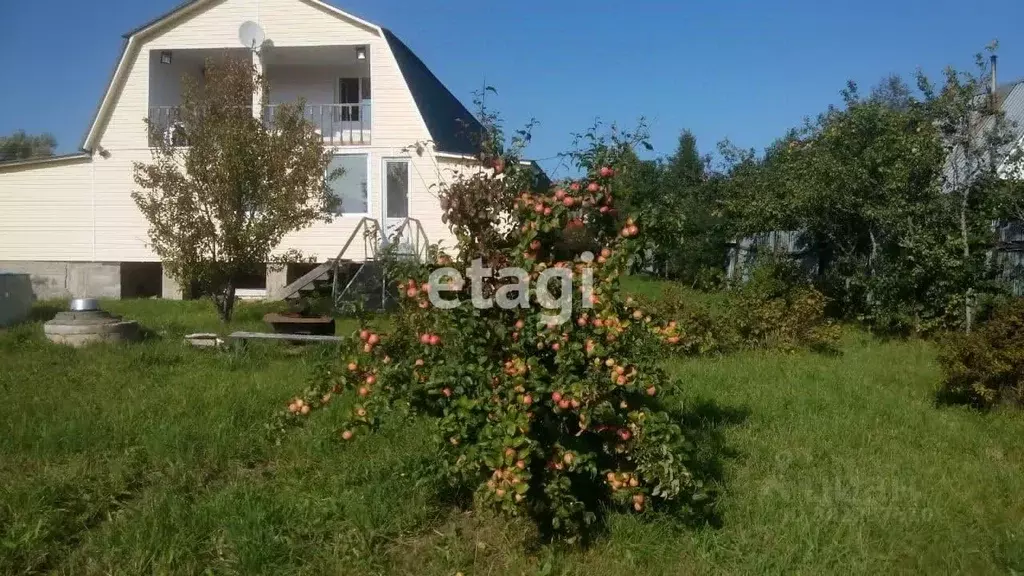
<point x="333" y="81"/>
<point x="338" y="124"/>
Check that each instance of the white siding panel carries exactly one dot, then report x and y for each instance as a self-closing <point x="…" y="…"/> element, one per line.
<point x="46" y="212"/>
<point x="216" y="26"/>
<point x="396" y="119"/>
<point x="121" y="229"/>
<point x="300" y="23"/>
<point x="126" y="129"/>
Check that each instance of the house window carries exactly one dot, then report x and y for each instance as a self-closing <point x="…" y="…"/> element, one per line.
<point x="352" y="187"/>
<point x="351" y="93"/>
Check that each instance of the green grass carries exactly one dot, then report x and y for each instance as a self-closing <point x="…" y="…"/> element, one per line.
<point x="152" y="458"/>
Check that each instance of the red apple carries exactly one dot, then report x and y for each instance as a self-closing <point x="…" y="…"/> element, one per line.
<point x="373" y="340"/>
<point x="364" y="335"/>
<point x="593" y="187"/>
<point x="607" y="172"/>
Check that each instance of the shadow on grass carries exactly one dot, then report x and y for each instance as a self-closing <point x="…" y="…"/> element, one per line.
<point x="704" y="421"/>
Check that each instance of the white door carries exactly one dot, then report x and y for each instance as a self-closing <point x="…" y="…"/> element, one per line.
<point x="395" y="205"/>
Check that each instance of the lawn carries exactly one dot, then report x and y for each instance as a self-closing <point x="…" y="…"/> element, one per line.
<point x="153" y="458"/>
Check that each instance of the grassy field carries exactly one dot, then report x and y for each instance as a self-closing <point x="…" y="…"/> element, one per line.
<point x="152" y="458"/>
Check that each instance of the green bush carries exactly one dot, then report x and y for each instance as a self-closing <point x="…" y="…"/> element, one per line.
<point x="777" y="309"/>
<point x="986" y="367"/>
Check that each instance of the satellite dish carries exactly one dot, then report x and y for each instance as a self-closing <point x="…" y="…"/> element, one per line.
<point x="251" y="35"/>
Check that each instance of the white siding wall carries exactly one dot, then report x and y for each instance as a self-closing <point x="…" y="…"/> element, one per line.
<point x="46" y="212"/>
<point x="49" y="211"/>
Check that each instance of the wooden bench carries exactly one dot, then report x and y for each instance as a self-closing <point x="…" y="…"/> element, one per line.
<point x="243" y="336"/>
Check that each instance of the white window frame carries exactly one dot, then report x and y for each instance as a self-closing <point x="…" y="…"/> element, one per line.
<point x="345" y="151"/>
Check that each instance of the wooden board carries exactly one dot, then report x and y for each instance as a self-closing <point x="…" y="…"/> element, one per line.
<point x="283" y="337"/>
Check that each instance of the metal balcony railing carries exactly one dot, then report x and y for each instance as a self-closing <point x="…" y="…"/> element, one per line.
<point x="339" y="124"/>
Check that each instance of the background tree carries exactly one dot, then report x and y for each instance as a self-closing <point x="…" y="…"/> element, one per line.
<point x="22" y="146"/>
<point x="220" y="206"/>
<point x="977" y="139"/>
<point x="698" y="245"/>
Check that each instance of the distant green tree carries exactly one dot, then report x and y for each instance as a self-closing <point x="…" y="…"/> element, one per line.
<point x="698" y="247"/>
<point x="22" y="146"/>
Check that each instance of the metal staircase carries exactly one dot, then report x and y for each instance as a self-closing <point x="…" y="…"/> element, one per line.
<point x="353" y="275"/>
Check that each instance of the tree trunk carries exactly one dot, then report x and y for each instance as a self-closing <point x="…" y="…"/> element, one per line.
<point x="226" y="302"/>
<point x="969" y="296"/>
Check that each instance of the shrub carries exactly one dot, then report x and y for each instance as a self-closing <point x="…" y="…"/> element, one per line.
<point x="691" y="328"/>
<point x="779" y="309"/>
<point x="557" y="421"/>
<point x="776" y="309"/>
<point x="986" y="367"/>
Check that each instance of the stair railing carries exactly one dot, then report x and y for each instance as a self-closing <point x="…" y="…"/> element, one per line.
<point x="420" y="242"/>
<point x="370" y="229"/>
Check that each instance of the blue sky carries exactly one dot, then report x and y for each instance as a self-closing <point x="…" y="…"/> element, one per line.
<point x="746" y="70"/>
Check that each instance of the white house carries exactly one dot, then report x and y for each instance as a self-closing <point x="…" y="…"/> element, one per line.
<point x="70" y="222"/>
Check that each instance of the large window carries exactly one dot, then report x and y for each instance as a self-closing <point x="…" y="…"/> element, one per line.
<point x="352" y="187"/>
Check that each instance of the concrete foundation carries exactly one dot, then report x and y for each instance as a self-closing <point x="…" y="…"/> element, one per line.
<point x="169" y="288"/>
<point x="277" y="279"/>
<point x="62" y="280"/>
<point x="115" y="280"/>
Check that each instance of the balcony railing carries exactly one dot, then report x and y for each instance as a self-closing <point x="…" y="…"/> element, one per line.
<point x="339" y="124"/>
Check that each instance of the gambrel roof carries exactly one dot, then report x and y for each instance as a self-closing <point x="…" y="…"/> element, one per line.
<point x="451" y="126"/>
